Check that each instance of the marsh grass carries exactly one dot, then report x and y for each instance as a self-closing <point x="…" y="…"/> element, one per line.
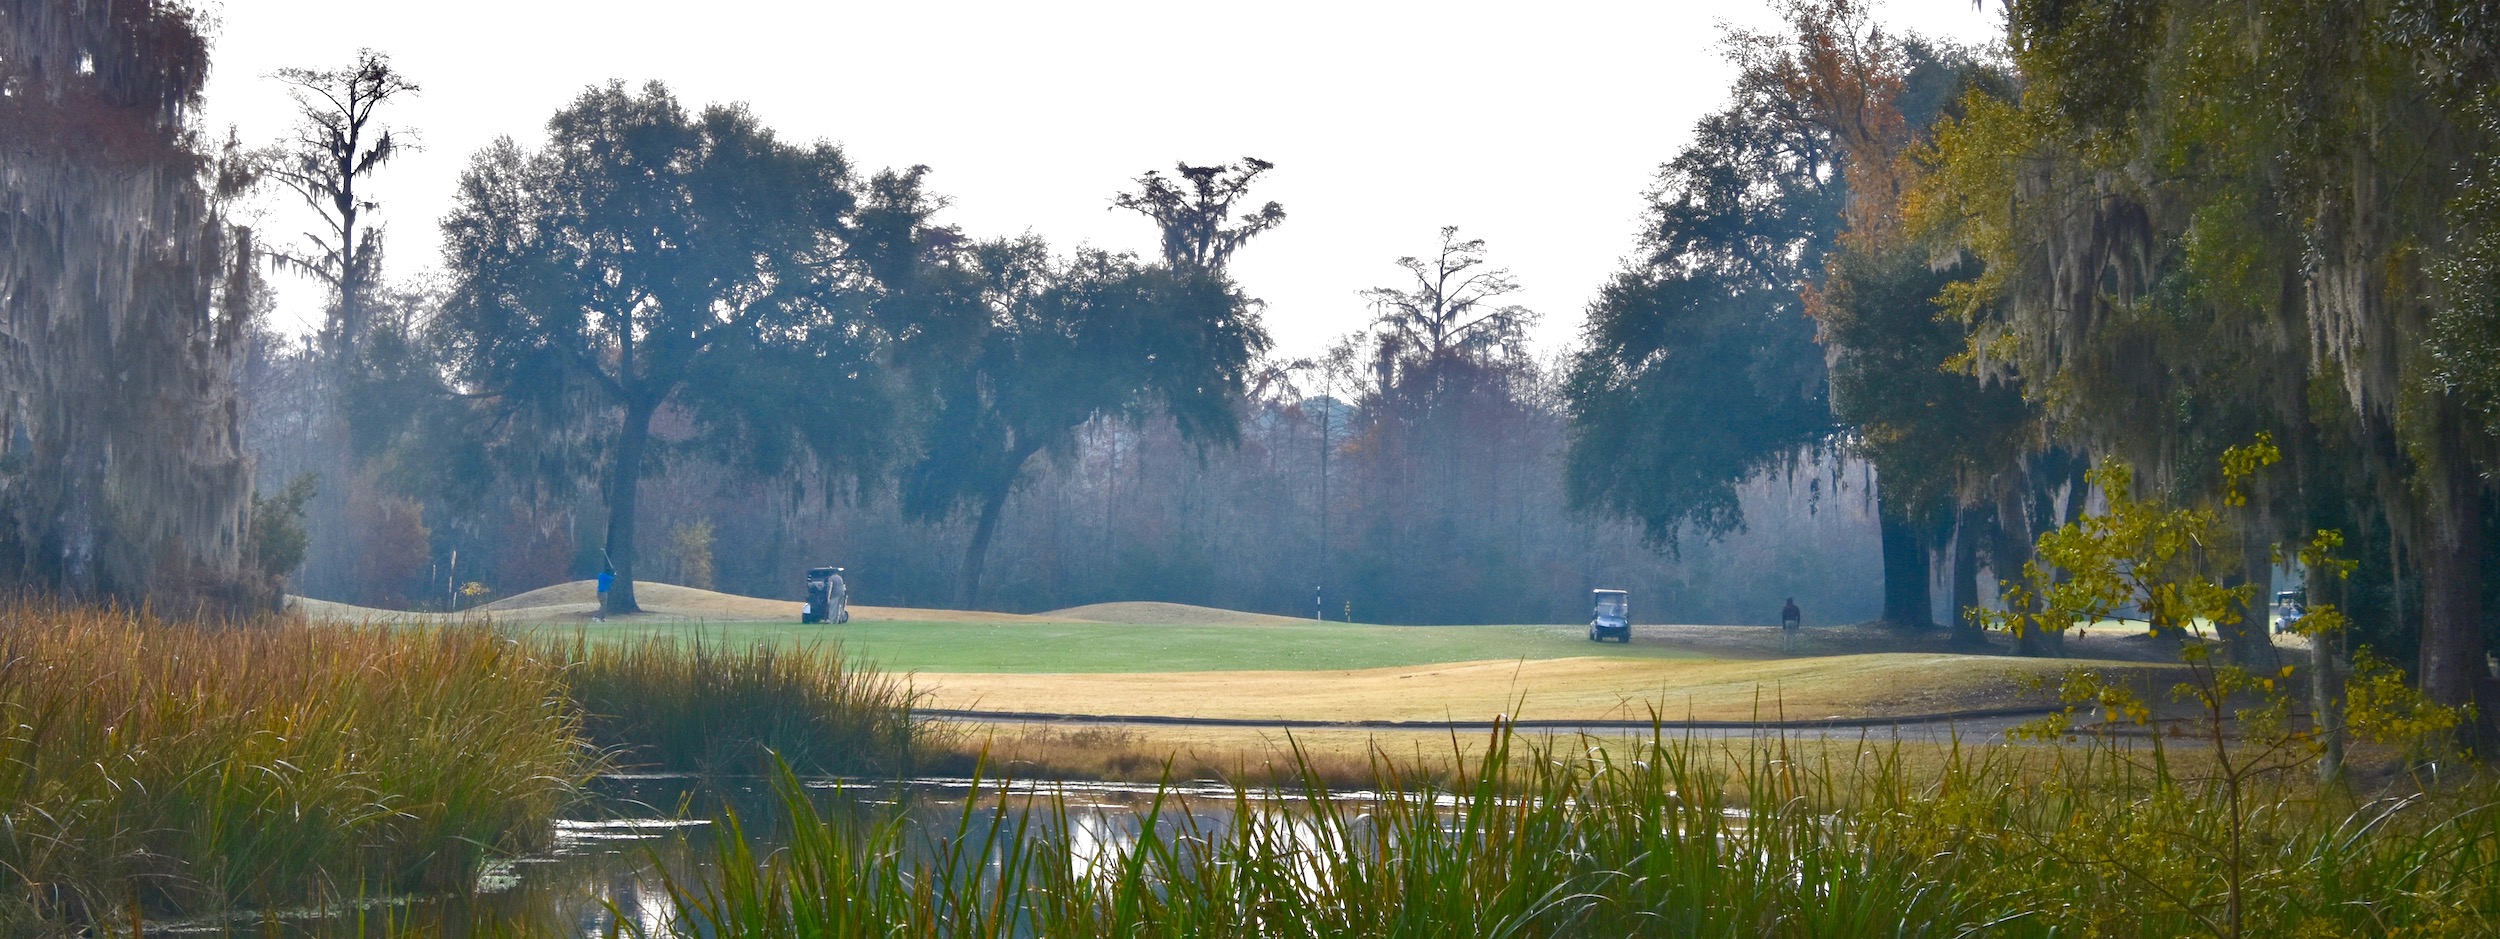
<point x="657" y="703"/>
<point x="150" y="768"/>
<point x="1647" y="837"/>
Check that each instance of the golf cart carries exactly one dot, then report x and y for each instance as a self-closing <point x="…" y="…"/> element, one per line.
<point x="1614" y="616"/>
<point x="2289" y="607"/>
<point x="828" y="599"/>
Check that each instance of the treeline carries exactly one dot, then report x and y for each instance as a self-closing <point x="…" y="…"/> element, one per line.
<point x="671" y="344"/>
<point x="2158" y="236"/>
<point x="1131" y="510"/>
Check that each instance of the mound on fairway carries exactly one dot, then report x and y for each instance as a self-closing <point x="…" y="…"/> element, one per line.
<point x="331" y="611"/>
<point x="1170" y="614"/>
<point x="578" y="599"/>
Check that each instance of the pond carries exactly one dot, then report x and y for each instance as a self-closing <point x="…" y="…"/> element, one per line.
<point x="614" y="856"/>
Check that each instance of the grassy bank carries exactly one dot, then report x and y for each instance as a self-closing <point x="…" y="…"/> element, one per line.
<point x="659" y="704"/>
<point x="1664" y="837"/>
<point x="159" y="768"/>
<point x="154" y="769"/>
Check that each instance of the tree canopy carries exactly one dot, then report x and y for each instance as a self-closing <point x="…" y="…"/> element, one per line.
<point x="339" y="140"/>
<point x="1698" y="368"/>
<point x="1055" y="343"/>
<point x="649" y="259"/>
<point x="2200" y="220"/>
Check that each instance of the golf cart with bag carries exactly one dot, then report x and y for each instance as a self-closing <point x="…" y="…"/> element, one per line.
<point x="828" y="599"/>
<point x="1614" y="616"/>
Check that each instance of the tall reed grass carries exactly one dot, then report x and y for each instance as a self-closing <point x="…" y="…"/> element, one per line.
<point x="149" y="768"/>
<point x="660" y="704"/>
<point x="1649" y="838"/>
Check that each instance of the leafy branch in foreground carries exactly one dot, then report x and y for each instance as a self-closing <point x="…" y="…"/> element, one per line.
<point x="2166" y="565"/>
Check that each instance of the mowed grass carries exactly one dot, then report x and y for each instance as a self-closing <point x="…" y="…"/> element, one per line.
<point x="1358" y="672"/>
<point x="1046" y="647"/>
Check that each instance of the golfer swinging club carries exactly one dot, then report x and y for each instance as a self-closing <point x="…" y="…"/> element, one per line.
<point x="607" y="582"/>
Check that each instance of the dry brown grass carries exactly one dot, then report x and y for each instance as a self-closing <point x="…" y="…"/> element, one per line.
<point x="187" y="767"/>
<point x="1128" y="754"/>
<point x="326" y="611"/>
<point x="1574" y="688"/>
<point x="1357" y="759"/>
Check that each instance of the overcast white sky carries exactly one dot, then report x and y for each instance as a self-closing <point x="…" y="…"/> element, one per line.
<point x="1535" y="126"/>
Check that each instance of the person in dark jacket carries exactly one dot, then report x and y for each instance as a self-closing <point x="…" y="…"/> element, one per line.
<point x="1790" y="619"/>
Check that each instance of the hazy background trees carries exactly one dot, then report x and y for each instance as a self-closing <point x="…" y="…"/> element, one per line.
<point x="1055" y="343"/>
<point x="660" y="346"/>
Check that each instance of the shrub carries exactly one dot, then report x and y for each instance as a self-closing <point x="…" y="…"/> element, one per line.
<point x="657" y="703"/>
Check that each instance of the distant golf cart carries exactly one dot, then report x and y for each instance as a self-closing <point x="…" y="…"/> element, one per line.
<point x="828" y="598"/>
<point x="1614" y="616"/>
<point x="2289" y="607"/>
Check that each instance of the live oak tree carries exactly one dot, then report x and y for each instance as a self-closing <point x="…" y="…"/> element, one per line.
<point x="1937" y="436"/>
<point x="1066" y="340"/>
<point x="1049" y="344"/>
<point x="1698" y="369"/>
<point x="2268" y="194"/>
<point x="649" y="259"/>
<point x="1943" y="439"/>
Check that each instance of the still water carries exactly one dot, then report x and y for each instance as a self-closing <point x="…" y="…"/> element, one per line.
<point x="613" y="859"/>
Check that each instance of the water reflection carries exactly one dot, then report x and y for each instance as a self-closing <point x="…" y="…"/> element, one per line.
<point x="611" y="863"/>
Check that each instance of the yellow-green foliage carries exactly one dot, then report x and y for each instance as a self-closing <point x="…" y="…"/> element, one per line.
<point x="2140" y="553"/>
<point x="2380" y="707"/>
<point x="190" y="768"/>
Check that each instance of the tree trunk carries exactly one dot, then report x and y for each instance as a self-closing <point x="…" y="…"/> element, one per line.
<point x="80" y="514"/>
<point x="351" y="312"/>
<point x="2021" y="517"/>
<point x="2326" y="675"/>
<point x="2249" y="642"/>
<point x="1906" y="599"/>
<point x="977" y="553"/>
<point x="624" y="491"/>
<point x="2453" y="669"/>
<point x="1967" y="530"/>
